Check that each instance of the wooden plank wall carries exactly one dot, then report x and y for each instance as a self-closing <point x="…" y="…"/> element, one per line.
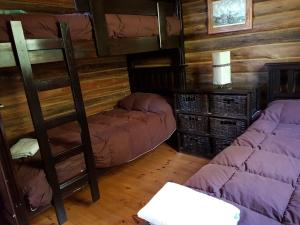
<point x="275" y="37"/>
<point x="103" y="80"/>
<point x="57" y="6"/>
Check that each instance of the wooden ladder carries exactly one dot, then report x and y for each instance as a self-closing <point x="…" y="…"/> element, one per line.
<point x="32" y="87"/>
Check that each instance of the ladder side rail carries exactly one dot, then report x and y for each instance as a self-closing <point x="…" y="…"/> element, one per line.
<point x="79" y="105"/>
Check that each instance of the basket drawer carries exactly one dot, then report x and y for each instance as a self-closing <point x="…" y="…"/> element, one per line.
<point x="221" y="144"/>
<point x="196" y="144"/>
<point x="192" y="103"/>
<point x="235" y="105"/>
<point x="193" y="123"/>
<point x="226" y="128"/>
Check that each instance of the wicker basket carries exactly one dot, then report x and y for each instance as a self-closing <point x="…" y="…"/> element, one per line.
<point x="221" y="144"/>
<point x="194" y="144"/>
<point x="228" y="105"/>
<point x="192" y="103"/>
<point x="193" y="123"/>
<point x="225" y="128"/>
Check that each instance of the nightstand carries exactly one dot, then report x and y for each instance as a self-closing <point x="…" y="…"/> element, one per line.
<point x="210" y="118"/>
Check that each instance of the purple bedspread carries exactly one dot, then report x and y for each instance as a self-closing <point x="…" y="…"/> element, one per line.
<point x="140" y="123"/>
<point x="260" y="172"/>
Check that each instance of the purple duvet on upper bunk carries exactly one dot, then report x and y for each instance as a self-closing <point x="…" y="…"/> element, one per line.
<point x="119" y="26"/>
<point x="260" y="172"/>
<point x="136" y="126"/>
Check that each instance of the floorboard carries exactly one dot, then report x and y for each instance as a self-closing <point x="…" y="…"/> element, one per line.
<point x="124" y="190"/>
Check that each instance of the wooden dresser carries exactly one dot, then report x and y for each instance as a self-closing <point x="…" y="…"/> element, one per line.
<point x="209" y="119"/>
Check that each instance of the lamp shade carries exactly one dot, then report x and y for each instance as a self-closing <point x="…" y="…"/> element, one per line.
<point x="221" y="68"/>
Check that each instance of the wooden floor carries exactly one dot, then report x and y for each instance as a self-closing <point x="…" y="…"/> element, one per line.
<point x="126" y="189"/>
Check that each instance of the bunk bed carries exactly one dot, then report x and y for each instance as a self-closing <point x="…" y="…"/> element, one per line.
<point x="85" y="36"/>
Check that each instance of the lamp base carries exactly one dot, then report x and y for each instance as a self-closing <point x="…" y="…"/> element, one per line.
<point x="229" y="85"/>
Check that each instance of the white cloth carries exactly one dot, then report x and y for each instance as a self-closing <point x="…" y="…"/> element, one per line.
<point x="175" y="204"/>
<point x="25" y="147"/>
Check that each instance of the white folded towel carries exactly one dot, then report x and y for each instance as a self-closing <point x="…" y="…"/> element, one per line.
<point x="25" y="147"/>
<point x="175" y="204"/>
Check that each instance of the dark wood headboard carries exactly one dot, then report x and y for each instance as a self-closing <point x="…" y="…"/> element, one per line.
<point x="160" y="79"/>
<point x="284" y="81"/>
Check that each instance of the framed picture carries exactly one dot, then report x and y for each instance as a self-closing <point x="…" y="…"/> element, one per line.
<point x="229" y="15"/>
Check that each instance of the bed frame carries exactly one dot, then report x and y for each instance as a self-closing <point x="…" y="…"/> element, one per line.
<point x="102" y="44"/>
<point x="155" y="79"/>
<point x="161" y="9"/>
<point x="160" y="79"/>
<point x="14" y="211"/>
<point x="284" y="81"/>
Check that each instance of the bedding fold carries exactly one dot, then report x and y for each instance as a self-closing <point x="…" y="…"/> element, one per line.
<point x="25" y="147"/>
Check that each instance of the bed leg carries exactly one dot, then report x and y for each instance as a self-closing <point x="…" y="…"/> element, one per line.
<point x="60" y="210"/>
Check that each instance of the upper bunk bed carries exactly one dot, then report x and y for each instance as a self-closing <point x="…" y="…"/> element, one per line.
<point x="103" y="27"/>
<point x="144" y="25"/>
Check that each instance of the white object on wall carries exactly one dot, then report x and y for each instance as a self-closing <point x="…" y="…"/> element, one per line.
<point x="221" y="68"/>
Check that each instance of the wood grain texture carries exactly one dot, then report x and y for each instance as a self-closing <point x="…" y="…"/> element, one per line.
<point x="57" y="6"/>
<point x="136" y="184"/>
<point x="104" y="81"/>
<point x="101" y="90"/>
<point x="275" y="37"/>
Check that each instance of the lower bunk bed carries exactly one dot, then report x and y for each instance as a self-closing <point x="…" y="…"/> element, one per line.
<point x="138" y="124"/>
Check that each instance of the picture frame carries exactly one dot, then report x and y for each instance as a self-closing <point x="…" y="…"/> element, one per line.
<point x="229" y="15"/>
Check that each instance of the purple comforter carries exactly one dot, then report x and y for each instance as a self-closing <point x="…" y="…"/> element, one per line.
<point x="260" y="172"/>
<point x="136" y="126"/>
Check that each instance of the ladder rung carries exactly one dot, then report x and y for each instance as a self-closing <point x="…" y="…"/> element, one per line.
<point x="68" y="154"/>
<point x="74" y="183"/>
<point x="57" y="121"/>
<point x="43" y="44"/>
<point x="46" y="85"/>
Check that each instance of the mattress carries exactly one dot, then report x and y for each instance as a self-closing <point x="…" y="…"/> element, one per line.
<point x="41" y="26"/>
<point x="118" y="136"/>
<point x="260" y="172"/>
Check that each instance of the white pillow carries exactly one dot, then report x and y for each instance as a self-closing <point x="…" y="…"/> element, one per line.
<point x="25" y="147"/>
<point x="175" y="204"/>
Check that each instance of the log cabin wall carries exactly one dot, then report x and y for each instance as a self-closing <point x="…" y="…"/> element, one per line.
<point x="275" y="37"/>
<point x="104" y="81"/>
